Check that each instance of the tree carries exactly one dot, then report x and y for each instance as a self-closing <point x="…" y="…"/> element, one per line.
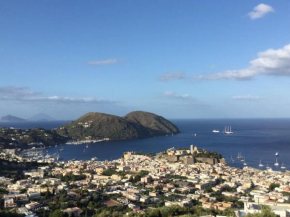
<point x="58" y="213"/>
<point x="273" y="186"/>
<point x="44" y="213"/>
<point x="208" y="189"/>
<point x="153" y="213"/>
<point x="22" y="191"/>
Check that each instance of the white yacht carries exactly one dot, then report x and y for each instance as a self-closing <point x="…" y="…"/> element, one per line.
<point x="215" y="131"/>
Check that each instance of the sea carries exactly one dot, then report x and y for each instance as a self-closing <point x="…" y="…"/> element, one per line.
<point x="255" y="139"/>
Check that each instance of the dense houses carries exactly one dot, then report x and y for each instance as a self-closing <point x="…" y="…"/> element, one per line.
<point x="135" y="180"/>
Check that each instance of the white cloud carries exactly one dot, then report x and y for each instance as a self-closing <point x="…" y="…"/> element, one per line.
<point x="104" y="62"/>
<point x="172" y="95"/>
<point x="172" y="76"/>
<point x="260" y="11"/>
<point x="270" y="62"/>
<point x="247" y="97"/>
<point x="22" y="94"/>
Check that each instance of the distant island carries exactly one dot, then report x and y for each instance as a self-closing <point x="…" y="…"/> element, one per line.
<point x="11" y="118"/>
<point x="134" y="125"/>
<point x="41" y="117"/>
<point x="90" y="127"/>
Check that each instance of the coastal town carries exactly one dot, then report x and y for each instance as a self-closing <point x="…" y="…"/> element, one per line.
<point x="176" y="182"/>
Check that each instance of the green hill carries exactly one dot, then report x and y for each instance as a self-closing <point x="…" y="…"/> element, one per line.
<point x="134" y="125"/>
<point x="157" y="125"/>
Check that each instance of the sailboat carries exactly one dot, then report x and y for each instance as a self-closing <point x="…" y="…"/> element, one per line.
<point x="232" y="160"/>
<point x="56" y="156"/>
<point x="267" y="167"/>
<point x="276" y="164"/>
<point x="240" y="156"/>
<point x="277" y="154"/>
<point x="260" y="164"/>
<point x="228" y="130"/>
<point x="245" y="164"/>
<point x="283" y="167"/>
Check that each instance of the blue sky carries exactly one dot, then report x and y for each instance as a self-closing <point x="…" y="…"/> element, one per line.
<point x="179" y="59"/>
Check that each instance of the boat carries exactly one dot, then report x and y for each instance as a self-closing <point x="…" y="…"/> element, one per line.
<point x="245" y="164"/>
<point x="267" y="167"/>
<point x="228" y="130"/>
<point x="56" y="156"/>
<point x="283" y="167"/>
<point x="215" y="131"/>
<point x="61" y="149"/>
<point x="84" y="150"/>
<point x="277" y="154"/>
<point x="240" y="155"/>
<point x="276" y="164"/>
<point x="87" y="146"/>
<point x="232" y="160"/>
<point x="195" y="135"/>
<point x="260" y="164"/>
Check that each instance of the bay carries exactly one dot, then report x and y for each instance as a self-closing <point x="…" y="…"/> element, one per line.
<point x="255" y="139"/>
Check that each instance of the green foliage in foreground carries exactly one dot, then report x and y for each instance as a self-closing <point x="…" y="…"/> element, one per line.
<point x="58" y="213"/>
<point x="191" y="211"/>
<point x="185" y="211"/>
<point x="10" y="214"/>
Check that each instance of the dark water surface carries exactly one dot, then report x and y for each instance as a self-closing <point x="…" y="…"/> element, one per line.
<point x="255" y="138"/>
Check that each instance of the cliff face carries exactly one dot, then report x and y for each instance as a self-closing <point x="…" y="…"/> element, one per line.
<point x="133" y="125"/>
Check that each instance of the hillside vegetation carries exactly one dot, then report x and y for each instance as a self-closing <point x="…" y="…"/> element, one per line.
<point x="134" y="125"/>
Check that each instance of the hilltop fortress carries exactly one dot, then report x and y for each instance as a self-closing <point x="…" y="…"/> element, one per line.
<point x="192" y="155"/>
